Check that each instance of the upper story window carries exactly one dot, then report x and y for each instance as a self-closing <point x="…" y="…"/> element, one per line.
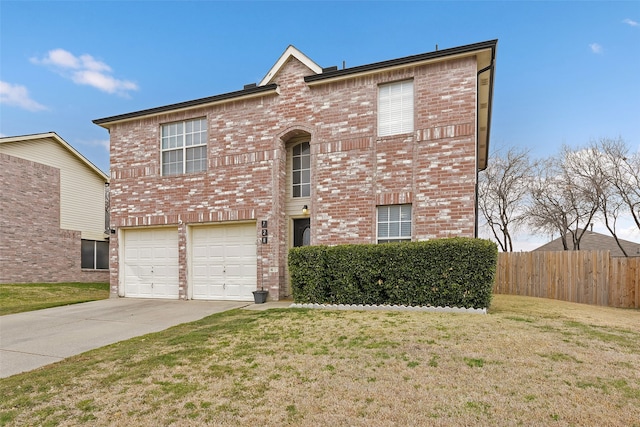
<point x="184" y="147"/>
<point x="394" y="223"/>
<point x="395" y="108"/>
<point x="301" y="170"/>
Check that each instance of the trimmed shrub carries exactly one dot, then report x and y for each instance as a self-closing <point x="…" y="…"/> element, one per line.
<point x="456" y="272"/>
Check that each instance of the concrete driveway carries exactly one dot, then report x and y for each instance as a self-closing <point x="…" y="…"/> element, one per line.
<point x="37" y="338"/>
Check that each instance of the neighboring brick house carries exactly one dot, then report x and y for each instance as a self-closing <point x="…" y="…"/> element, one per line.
<point x="52" y="213"/>
<point x="207" y="196"/>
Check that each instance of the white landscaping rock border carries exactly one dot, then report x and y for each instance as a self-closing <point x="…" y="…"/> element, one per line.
<point x="392" y="308"/>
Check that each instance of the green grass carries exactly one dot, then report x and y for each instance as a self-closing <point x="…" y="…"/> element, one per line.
<point x="18" y="298"/>
<point x="319" y="367"/>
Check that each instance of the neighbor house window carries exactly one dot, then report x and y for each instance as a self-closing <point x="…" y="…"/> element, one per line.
<point x="395" y="108"/>
<point x="184" y="147"/>
<point x="94" y="254"/>
<point x="394" y="223"/>
<point x="301" y="170"/>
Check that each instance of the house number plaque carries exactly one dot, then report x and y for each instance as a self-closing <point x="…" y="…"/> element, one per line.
<point x="265" y="232"/>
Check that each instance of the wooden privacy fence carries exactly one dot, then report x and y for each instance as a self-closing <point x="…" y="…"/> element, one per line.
<point x="588" y="277"/>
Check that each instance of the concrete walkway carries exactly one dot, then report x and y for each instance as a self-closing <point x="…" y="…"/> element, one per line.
<point x="36" y="338"/>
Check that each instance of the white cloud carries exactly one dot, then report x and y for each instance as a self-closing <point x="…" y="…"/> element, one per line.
<point x="596" y="48"/>
<point x="630" y="22"/>
<point x="102" y="143"/>
<point x="18" y="96"/>
<point x="86" y="70"/>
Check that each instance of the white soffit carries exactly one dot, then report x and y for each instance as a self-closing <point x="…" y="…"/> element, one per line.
<point x="290" y="51"/>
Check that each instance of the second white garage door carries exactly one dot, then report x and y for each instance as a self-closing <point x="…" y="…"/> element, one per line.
<point x="224" y="262"/>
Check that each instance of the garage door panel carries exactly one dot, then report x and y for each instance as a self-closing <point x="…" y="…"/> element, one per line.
<point x="224" y="262"/>
<point x="151" y="263"/>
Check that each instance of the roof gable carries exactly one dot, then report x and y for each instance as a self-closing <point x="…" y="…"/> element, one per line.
<point x="52" y="136"/>
<point x="291" y="51"/>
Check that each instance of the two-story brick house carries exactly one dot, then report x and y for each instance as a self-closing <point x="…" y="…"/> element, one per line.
<point x="207" y="196"/>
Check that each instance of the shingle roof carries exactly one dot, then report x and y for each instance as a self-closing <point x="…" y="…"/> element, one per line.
<point x="592" y="241"/>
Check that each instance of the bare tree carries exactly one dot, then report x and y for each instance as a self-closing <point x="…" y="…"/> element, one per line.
<point x="623" y="171"/>
<point x="565" y="196"/>
<point x="502" y="193"/>
<point x="613" y="174"/>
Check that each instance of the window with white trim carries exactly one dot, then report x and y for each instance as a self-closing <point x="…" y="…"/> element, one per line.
<point x="394" y="223"/>
<point x="184" y="147"/>
<point x="395" y="108"/>
<point x="301" y="170"/>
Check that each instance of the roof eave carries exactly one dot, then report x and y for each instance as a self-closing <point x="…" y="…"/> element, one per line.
<point x="407" y="61"/>
<point x="251" y="92"/>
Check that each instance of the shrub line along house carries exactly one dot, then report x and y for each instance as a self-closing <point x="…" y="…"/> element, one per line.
<point x="207" y="196"/>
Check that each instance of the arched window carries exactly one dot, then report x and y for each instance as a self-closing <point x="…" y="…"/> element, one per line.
<point x="301" y="170"/>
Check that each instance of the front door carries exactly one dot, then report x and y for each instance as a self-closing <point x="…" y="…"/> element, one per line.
<point x="301" y="232"/>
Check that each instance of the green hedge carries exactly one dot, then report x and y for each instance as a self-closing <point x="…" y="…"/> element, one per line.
<point x="456" y="272"/>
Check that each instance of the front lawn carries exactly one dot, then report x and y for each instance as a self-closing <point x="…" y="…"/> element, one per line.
<point x="528" y="362"/>
<point x="16" y="298"/>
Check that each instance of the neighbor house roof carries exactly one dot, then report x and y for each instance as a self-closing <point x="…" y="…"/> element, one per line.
<point x="485" y="52"/>
<point x="55" y="137"/>
<point x="592" y="241"/>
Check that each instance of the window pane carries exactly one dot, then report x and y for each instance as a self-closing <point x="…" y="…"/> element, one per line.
<point x="196" y="159"/>
<point x="300" y="171"/>
<point x="102" y="255"/>
<point x="383" y="214"/>
<point x="394" y="223"/>
<point x="383" y="230"/>
<point x="405" y="229"/>
<point x="172" y="162"/>
<point x="87" y="253"/>
<point x="394" y="229"/>
<point x="395" y="108"/>
<point x="405" y="214"/>
<point x="394" y="213"/>
<point x="306" y="162"/>
<point x="174" y="137"/>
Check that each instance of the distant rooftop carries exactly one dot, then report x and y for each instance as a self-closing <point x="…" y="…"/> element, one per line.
<point x="592" y="241"/>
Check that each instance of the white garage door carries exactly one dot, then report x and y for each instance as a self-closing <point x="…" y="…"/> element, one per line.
<point x="224" y="262"/>
<point x="151" y="263"/>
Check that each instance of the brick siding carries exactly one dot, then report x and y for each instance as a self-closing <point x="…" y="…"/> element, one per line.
<point x="353" y="170"/>
<point x="33" y="248"/>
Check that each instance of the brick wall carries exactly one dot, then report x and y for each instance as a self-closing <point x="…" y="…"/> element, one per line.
<point x="33" y="248"/>
<point x="353" y="170"/>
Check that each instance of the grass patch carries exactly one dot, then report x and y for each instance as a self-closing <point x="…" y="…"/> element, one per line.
<point x="18" y="298"/>
<point x="533" y="362"/>
<point x="474" y="363"/>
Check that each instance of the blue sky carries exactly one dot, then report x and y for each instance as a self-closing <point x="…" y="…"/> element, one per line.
<point x="567" y="72"/>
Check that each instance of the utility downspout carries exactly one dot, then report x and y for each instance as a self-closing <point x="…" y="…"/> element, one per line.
<point x="489" y="107"/>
